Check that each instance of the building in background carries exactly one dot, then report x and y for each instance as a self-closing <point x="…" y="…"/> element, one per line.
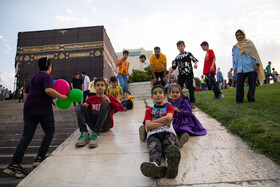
<point x="133" y="58"/>
<point x="83" y="49"/>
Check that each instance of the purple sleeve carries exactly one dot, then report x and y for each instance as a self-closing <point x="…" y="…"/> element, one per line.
<point x="186" y="108"/>
<point x="48" y="82"/>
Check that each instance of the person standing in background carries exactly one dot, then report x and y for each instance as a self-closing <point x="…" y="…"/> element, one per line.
<point x="246" y="62"/>
<point x="158" y="67"/>
<point x="123" y="65"/>
<point x="77" y="83"/>
<point x="86" y="86"/>
<point x="230" y="77"/>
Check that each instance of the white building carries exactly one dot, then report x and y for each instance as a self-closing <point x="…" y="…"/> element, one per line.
<point x="134" y="60"/>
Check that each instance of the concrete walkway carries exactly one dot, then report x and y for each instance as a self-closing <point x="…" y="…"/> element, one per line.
<point x="216" y="159"/>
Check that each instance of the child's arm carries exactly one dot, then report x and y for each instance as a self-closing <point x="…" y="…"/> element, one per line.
<point x="159" y="122"/>
<point x="53" y="93"/>
<point x="195" y="64"/>
<point x="115" y="103"/>
<point x="186" y="108"/>
<point x="212" y="66"/>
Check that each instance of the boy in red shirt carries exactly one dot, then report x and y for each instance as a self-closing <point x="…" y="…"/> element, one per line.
<point x="97" y="112"/>
<point x="160" y="139"/>
<point x="209" y="69"/>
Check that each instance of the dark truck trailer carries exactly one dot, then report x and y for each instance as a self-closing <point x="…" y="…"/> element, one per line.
<point x="83" y="49"/>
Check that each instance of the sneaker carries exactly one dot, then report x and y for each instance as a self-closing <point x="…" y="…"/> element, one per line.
<point x="152" y="169"/>
<point x="94" y="139"/>
<point x="142" y="133"/>
<point x="82" y="140"/>
<point x="183" y="139"/>
<point x="173" y="157"/>
<point x="37" y="161"/>
<point x="193" y="105"/>
<point x="15" y="171"/>
<point x="220" y="96"/>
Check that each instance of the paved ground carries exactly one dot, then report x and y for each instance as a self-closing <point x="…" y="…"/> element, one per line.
<point x="216" y="159"/>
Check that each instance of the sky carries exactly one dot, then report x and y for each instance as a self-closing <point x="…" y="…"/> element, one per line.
<point x="134" y="24"/>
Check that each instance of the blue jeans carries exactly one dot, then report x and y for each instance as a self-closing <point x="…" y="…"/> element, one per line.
<point x="203" y="87"/>
<point x="30" y="125"/>
<point x="268" y="76"/>
<point x="123" y="82"/>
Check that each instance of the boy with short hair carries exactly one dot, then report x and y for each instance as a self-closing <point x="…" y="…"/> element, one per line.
<point x="37" y="109"/>
<point x="160" y="139"/>
<point x="123" y="73"/>
<point x="114" y="89"/>
<point x="209" y="70"/>
<point x="127" y="101"/>
<point x="184" y="62"/>
<point x="97" y="112"/>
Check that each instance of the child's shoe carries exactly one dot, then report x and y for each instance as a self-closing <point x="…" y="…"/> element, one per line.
<point x="193" y="105"/>
<point x="37" y="161"/>
<point x="152" y="169"/>
<point x="94" y="140"/>
<point x="82" y="140"/>
<point x="15" y="171"/>
<point x="142" y="133"/>
<point x="183" y="139"/>
<point x="173" y="157"/>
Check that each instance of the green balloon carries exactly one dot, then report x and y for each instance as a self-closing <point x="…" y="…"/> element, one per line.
<point x="75" y="95"/>
<point x="63" y="104"/>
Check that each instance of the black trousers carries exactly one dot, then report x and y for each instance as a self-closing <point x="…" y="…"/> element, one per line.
<point x="30" y="125"/>
<point x="158" y="143"/>
<point x="160" y="75"/>
<point x="86" y="94"/>
<point x="100" y="122"/>
<point x="182" y="79"/>
<point x="213" y="84"/>
<point x="240" y="86"/>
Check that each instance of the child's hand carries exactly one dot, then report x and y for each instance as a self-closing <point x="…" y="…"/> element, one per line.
<point x="177" y="110"/>
<point x="125" y="109"/>
<point x="105" y="98"/>
<point x="155" y="81"/>
<point x="195" y="66"/>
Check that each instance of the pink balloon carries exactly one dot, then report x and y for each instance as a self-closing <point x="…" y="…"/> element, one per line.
<point x="61" y="86"/>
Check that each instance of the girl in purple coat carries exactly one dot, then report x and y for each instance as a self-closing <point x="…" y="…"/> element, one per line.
<point x="184" y="122"/>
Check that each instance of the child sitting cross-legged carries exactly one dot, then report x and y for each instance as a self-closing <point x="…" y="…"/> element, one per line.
<point x="160" y="139"/>
<point x="184" y="122"/>
<point x="127" y="101"/>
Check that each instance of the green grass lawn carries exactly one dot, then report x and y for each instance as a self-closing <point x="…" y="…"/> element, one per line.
<point x="258" y="124"/>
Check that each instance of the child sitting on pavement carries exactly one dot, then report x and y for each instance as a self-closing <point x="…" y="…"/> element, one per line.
<point x="127" y="101"/>
<point x="160" y="139"/>
<point x="114" y="89"/>
<point x="97" y="112"/>
<point x="184" y="120"/>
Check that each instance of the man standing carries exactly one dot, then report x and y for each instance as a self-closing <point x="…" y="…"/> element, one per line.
<point x="144" y="61"/>
<point x="77" y="83"/>
<point x="268" y="73"/>
<point x="230" y="77"/>
<point x="158" y="66"/>
<point x="123" y="70"/>
<point x="86" y="86"/>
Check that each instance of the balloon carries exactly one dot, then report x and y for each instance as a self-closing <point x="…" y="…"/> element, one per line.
<point x="54" y="81"/>
<point x="61" y="86"/>
<point x="63" y="104"/>
<point x="75" y="95"/>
